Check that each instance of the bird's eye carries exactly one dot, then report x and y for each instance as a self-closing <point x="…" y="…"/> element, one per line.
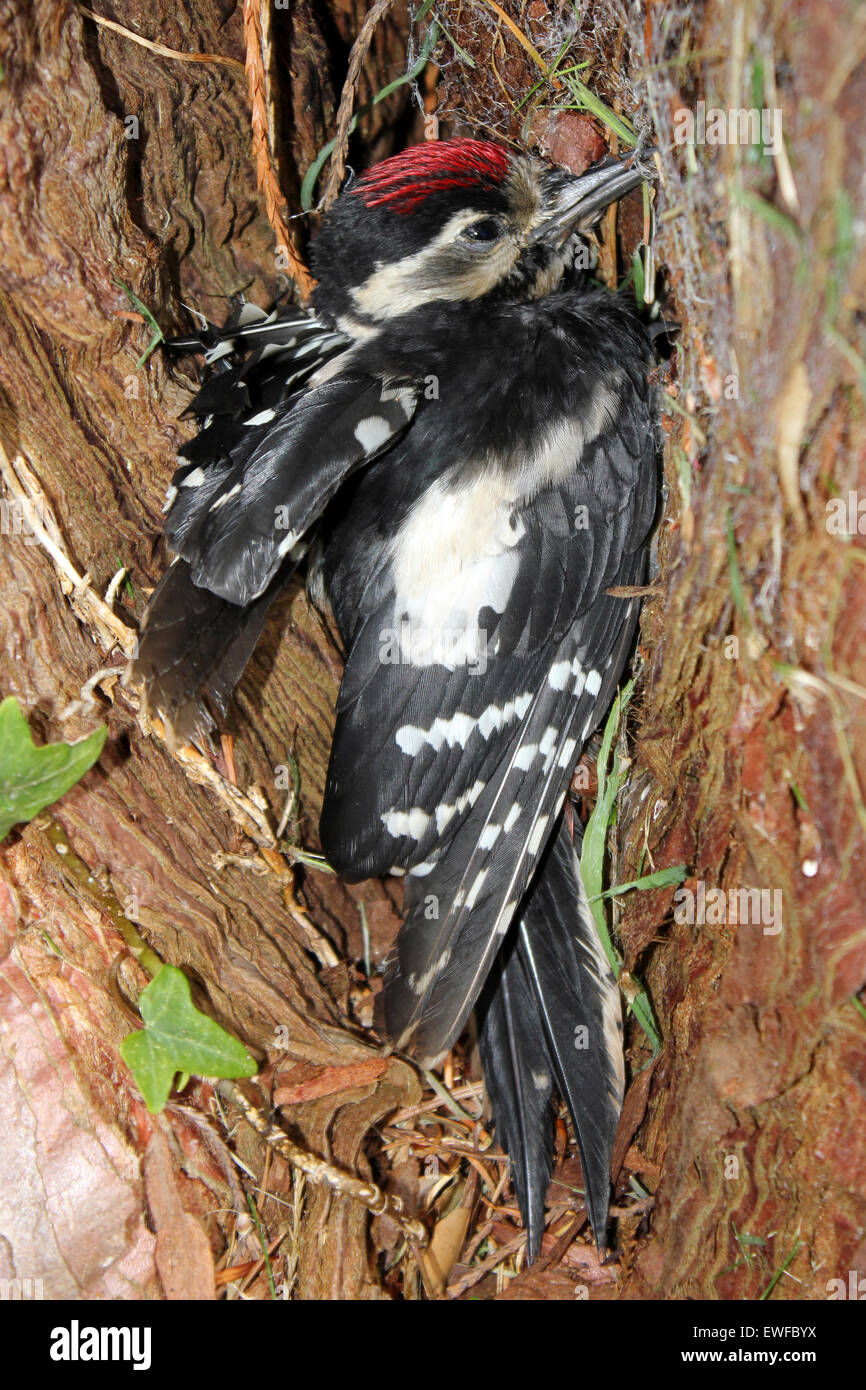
<point x="486" y="229"/>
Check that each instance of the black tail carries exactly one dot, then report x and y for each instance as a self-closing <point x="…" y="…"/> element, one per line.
<point x="194" y="643"/>
<point x="550" y="1019"/>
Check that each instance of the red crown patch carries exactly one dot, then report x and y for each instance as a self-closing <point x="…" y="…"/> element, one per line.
<point x="404" y="181"/>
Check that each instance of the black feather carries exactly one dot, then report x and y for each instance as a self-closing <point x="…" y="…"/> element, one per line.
<point x="550" y="1013"/>
<point x="498" y="496"/>
<point x="194" y="643"/>
<point x="518" y="1081"/>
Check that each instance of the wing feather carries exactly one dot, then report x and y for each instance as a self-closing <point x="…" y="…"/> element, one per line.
<point x="440" y="964"/>
<point x="519" y="1083"/>
<point x="236" y="522"/>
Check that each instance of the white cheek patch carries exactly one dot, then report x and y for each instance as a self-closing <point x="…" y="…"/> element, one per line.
<point x="440" y="270"/>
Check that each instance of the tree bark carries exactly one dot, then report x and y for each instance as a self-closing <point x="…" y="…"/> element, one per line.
<point x="750" y="756"/>
<point x="120" y="166"/>
<point x="749" y="763"/>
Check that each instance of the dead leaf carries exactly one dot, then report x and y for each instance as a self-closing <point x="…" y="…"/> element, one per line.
<point x="443" y="1252"/>
<point x="791" y="414"/>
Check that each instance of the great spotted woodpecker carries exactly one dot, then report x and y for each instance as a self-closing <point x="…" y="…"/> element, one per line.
<point x="462" y="436"/>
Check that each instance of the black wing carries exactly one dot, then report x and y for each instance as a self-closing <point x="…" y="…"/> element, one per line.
<point x="249" y="488"/>
<point x="458" y="776"/>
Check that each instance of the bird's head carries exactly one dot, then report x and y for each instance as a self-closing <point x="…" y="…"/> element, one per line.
<point x="453" y="221"/>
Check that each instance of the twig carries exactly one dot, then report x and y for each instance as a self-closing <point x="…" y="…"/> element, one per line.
<point x="111" y="591"/>
<point x="111" y="632"/>
<point x="319" y="1171"/>
<point x="160" y="48"/>
<point x="360" y="49"/>
<point x="505" y="1252"/>
<point x="96" y="888"/>
<point x="524" y="42"/>
<point x="24" y="486"/>
<point x="265" y="173"/>
<point x="244" y="812"/>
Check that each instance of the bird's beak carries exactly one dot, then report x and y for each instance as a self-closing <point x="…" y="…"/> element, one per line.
<point x="579" y="200"/>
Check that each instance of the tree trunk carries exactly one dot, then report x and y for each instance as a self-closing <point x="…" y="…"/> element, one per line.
<point x="121" y="166"/>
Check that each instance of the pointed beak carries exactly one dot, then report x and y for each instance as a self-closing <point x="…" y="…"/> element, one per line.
<point x="581" y="199"/>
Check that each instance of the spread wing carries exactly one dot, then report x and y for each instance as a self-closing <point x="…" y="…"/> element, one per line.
<point x="249" y="488"/>
<point x="237" y="520"/>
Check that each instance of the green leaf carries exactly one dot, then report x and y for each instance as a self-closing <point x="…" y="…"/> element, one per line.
<point x="734" y="577"/>
<point x="312" y="174"/>
<point x="178" y="1038"/>
<point x="610" y="780"/>
<point x="158" y="336"/>
<point x="32" y="778"/>
<point x="638" y="274"/>
<point x="662" y="878"/>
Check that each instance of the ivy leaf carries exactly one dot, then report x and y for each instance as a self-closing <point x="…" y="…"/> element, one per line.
<point x="32" y="778"/>
<point x="178" y="1038"/>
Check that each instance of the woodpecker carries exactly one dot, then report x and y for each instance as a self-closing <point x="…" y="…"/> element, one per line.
<point x="459" y="437"/>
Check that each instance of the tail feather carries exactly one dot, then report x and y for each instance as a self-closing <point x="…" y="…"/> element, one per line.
<point x="519" y="1083"/>
<point x="552" y="1013"/>
<point x="193" y="643"/>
